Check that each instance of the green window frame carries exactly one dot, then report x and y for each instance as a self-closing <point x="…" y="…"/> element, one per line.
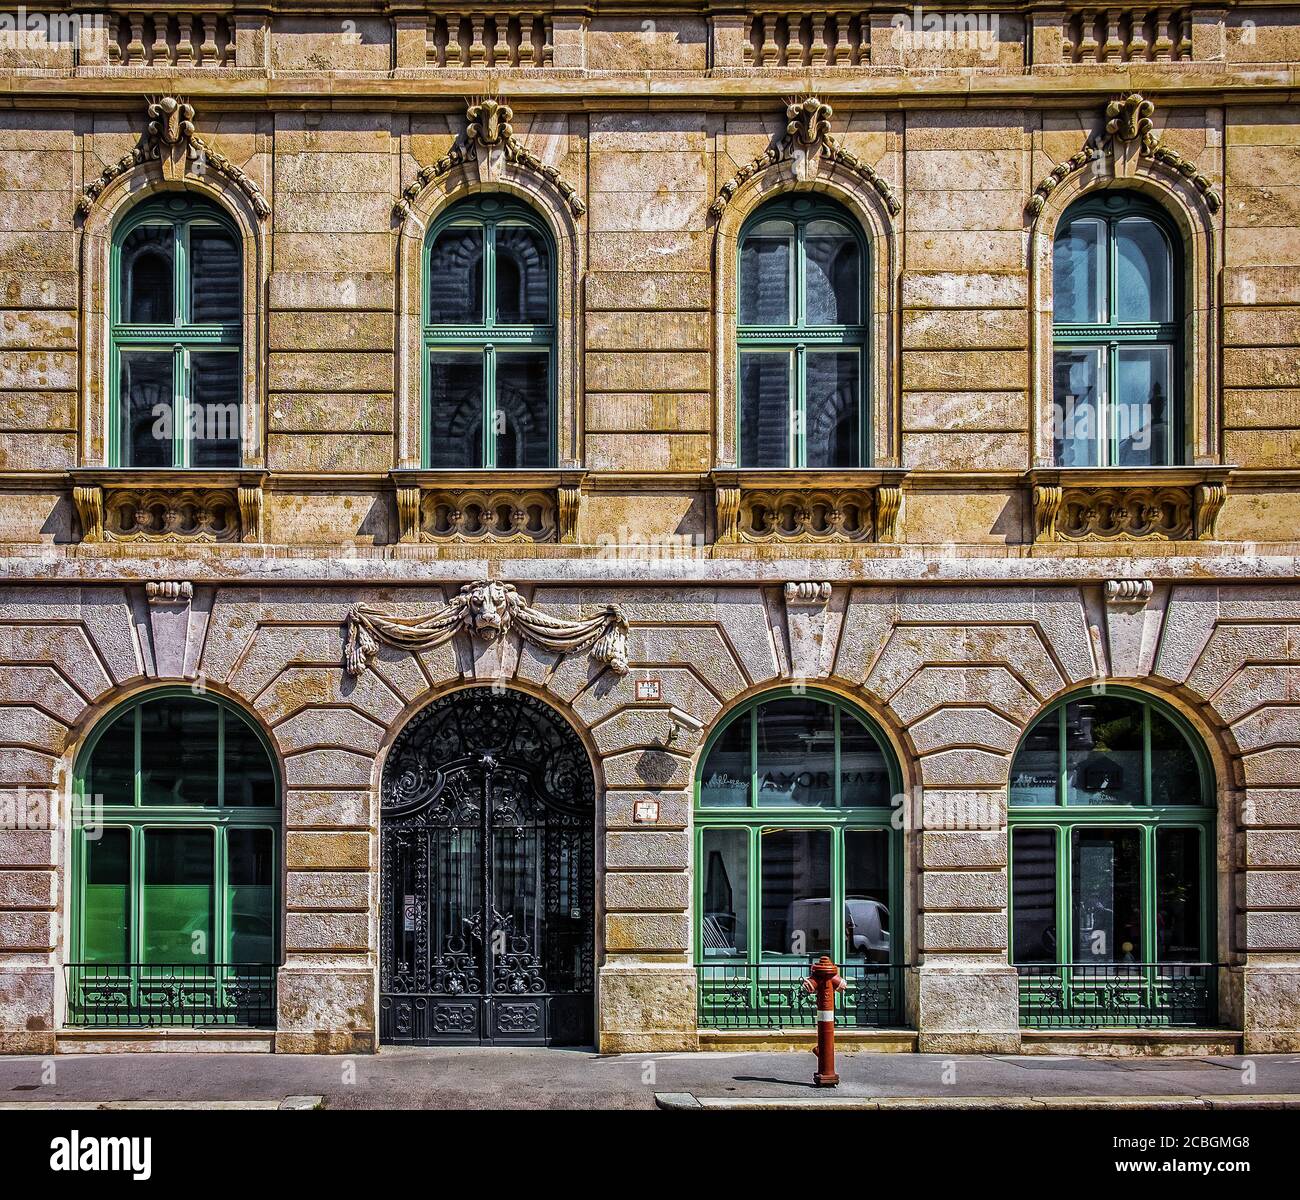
<point x="803" y="345"/>
<point x="210" y="790"/>
<point x="180" y="360"/>
<point x="1050" y="822"/>
<point x="487" y="346"/>
<point x="1110" y="353"/>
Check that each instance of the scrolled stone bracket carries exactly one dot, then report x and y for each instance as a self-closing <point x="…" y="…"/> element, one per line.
<point x="490" y="141"/>
<point x="170" y="137"/>
<point x="807" y="140"/>
<point x="489" y="610"/>
<point x="1128" y="120"/>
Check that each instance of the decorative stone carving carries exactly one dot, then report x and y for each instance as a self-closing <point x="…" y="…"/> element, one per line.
<point x="1160" y="504"/>
<point x="489" y="139"/>
<point x="167" y="592"/>
<point x="169" y="506"/>
<point x="487" y="609"/>
<point x="1128" y="593"/>
<point x="816" y="507"/>
<point x="813" y="595"/>
<point x="495" y="506"/>
<point x="1209" y="500"/>
<point x="170" y="135"/>
<point x="807" y="136"/>
<point x="1128" y="119"/>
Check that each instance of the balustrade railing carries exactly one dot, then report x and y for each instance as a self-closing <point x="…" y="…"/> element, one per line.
<point x="160" y="39"/>
<point x="735" y="995"/>
<point x="1113" y="995"/>
<point x="150" y="995"/>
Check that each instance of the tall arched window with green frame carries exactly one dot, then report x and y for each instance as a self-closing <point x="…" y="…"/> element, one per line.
<point x="797" y="854"/>
<point x="176" y="861"/>
<point x="489" y="338"/>
<point x="1111" y="813"/>
<point x="1117" y="335"/>
<point x="175" y="333"/>
<point x="802" y="337"/>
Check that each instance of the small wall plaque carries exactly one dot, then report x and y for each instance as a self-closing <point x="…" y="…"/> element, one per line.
<point x="649" y="689"/>
<point x="645" y="812"/>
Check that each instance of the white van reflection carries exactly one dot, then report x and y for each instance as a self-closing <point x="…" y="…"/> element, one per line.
<point x="866" y="926"/>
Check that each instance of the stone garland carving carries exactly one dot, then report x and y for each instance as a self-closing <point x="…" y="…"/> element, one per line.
<point x="806" y="133"/>
<point x="489" y="137"/>
<point x="1127" y="120"/>
<point x="170" y="133"/>
<point x="488" y="609"/>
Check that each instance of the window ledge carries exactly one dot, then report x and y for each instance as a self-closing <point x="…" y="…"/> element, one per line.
<point x="797" y="505"/>
<point x="190" y="504"/>
<point x="1123" y="504"/>
<point x="488" y="505"/>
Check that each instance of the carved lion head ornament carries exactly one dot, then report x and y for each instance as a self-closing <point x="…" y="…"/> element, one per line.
<point x="491" y="605"/>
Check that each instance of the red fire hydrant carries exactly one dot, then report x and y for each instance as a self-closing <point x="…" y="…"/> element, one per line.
<point x="824" y="981"/>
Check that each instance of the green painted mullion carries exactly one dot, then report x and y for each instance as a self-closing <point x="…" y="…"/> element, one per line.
<point x="219" y="952"/>
<point x="837" y="891"/>
<point x="180" y="407"/>
<point x="799" y="408"/>
<point x="489" y="406"/>
<point x="221" y="756"/>
<point x="1062" y="781"/>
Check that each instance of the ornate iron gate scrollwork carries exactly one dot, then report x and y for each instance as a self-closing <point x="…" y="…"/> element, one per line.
<point x="487" y="871"/>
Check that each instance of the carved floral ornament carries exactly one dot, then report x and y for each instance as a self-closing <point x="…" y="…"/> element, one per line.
<point x="490" y="141"/>
<point x="170" y="137"/>
<point x="487" y="609"/>
<point x="1128" y="120"/>
<point x="806" y="141"/>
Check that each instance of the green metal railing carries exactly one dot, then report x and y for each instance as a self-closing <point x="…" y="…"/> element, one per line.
<point x="1113" y="995"/>
<point x="187" y="995"/>
<point x="772" y="996"/>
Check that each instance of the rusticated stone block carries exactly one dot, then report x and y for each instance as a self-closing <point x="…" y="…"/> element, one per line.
<point x="653" y="933"/>
<point x="634" y="891"/>
<point x="647" y="849"/>
<point x="327" y="851"/>
<point x="647" y="1007"/>
<point x="957" y="849"/>
<point x="963" y="891"/>
<point x="963" y="932"/>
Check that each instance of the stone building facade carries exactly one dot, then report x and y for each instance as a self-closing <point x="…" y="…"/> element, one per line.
<point x="940" y="582"/>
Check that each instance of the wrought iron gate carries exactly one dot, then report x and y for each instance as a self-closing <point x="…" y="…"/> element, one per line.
<point x="487" y="851"/>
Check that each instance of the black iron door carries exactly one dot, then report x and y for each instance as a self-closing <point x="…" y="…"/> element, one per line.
<point x="487" y="846"/>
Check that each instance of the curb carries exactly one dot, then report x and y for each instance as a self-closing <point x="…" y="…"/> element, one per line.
<point x="289" y="1103"/>
<point x="687" y="1102"/>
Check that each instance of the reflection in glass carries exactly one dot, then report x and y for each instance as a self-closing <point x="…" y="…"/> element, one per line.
<point x="724" y="920"/>
<point x="148" y="275"/>
<point x="765" y="410"/>
<point x="455" y="410"/>
<point x="866" y="895"/>
<point x="1078" y="396"/>
<point x="110" y="774"/>
<point x="250" y="874"/>
<point x="1079" y="273"/>
<point x="215" y="275"/>
<point x="796" y="880"/>
<point x="1033" y="896"/>
<point x="1036" y="771"/>
<point x="832" y="409"/>
<point x="1175" y="774"/>
<point x="796" y="753"/>
<point x="831" y="284"/>
<point x="215" y="417"/>
<point x="177" y="896"/>
<point x="1143" y="283"/>
<point x="766" y="259"/>
<point x="1178" y="895"/>
<point x="523" y="409"/>
<point x="249" y="777"/>
<point x="1103" y="751"/>
<point x="146" y="408"/>
<point x="864" y="774"/>
<point x="1106" y="886"/>
<point x="725" y="780"/>
<point x="179" y="752"/>
<point x="523" y="276"/>
<point x="106" y="919"/>
<point x="456" y="277"/>
<point x="1141" y="411"/>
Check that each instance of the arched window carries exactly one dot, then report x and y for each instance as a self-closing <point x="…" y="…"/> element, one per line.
<point x="802" y="337"/>
<point x="796" y="856"/>
<point x="489" y="338"/>
<point x="1116" y="329"/>
<point x="175" y="337"/>
<point x="1112" y="839"/>
<point x="176" y="868"/>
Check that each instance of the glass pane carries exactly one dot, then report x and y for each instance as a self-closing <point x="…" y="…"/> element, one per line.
<point x="1103" y="751"/>
<point x="1106" y="882"/>
<point x="833" y="422"/>
<point x="724" y="917"/>
<point x="1142" y="410"/>
<point x="1178" y="895"/>
<point x="455" y="410"/>
<point x="1175" y="775"/>
<point x="864" y="774"/>
<point x="215" y="276"/>
<point x="146" y="398"/>
<point x="250" y="875"/>
<point x="178" y="752"/>
<point x="831" y="286"/>
<point x="1142" y="271"/>
<point x="523" y="410"/>
<point x="107" y="918"/>
<point x="178" y="897"/>
<point x="215" y="414"/>
<point x="796" y="867"/>
<point x="724" y="783"/>
<point x="765" y="276"/>
<point x="765" y="410"/>
<point x="796" y="753"/>
<point x="1079" y="273"/>
<point x="1078" y="393"/>
<point x="523" y="269"/>
<point x="866" y="895"/>
<point x="110" y="775"/>
<point x="1033" y="896"/>
<point x="456" y="277"/>
<point x="1036" y="771"/>
<point x="249" y="776"/>
<point x="147" y="272"/>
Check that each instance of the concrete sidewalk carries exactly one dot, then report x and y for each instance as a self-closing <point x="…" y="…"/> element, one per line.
<point x="446" y="1078"/>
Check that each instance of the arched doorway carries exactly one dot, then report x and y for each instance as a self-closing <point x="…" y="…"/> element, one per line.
<point x="487" y="849"/>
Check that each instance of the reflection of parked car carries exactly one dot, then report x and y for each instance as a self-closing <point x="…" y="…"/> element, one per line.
<point x="866" y="926"/>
